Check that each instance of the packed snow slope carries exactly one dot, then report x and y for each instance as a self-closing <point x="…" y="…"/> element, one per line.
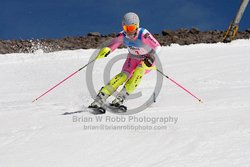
<point x="213" y="133"/>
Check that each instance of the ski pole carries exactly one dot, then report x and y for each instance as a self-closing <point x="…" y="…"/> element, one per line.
<point x="63" y="81"/>
<point x="179" y="85"/>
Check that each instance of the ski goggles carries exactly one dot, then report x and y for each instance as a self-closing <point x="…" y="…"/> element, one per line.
<point x="129" y="28"/>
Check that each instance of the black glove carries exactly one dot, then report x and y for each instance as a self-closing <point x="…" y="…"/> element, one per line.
<point x="149" y="60"/>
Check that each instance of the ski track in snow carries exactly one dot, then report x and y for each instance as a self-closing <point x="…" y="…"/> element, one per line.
<point x="215" y="133"/>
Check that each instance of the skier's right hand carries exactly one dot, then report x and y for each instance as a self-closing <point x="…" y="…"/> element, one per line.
<point x="104" y="52"/>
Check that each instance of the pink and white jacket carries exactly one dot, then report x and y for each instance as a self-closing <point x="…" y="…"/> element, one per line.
<point x="143" y="44"/>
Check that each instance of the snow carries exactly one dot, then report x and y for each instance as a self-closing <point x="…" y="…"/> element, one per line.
<point x="213" y="133"/>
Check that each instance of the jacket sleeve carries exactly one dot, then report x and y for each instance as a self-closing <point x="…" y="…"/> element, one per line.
<point x="149" y="40"/>
<point x="116" y="42"/>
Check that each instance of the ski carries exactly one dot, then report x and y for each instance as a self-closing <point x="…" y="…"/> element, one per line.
<point x="117" y="108"/>
<point x="97" y="110"/>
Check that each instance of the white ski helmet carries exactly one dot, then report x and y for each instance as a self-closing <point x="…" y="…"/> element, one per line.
<point x="130" y="22"/>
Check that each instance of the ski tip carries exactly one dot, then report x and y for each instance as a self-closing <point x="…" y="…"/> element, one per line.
<point x="201" y="101"/>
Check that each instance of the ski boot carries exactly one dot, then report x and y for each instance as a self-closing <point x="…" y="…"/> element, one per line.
<point x="98" y="104"/>
<point x="117" y="103"/>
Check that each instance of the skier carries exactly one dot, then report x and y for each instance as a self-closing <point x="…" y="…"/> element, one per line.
<point x="142" y="48"/>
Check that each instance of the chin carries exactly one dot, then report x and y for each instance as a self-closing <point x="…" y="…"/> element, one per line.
<point x="132" y="36"/>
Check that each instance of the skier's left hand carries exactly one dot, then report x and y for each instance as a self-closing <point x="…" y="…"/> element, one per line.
<point x="148" y="63"/>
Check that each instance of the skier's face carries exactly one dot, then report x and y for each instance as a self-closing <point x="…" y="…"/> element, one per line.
<point x="130" y="30"/>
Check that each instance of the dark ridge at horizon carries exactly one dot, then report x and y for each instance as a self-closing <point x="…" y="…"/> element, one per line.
<point x="183" y="36"/>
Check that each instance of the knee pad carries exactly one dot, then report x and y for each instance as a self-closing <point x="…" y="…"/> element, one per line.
<point x="135" y="80"/>
<point x="114" y="83"/>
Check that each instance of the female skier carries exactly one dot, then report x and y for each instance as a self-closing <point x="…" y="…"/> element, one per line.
<point x="142" y="48"/>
